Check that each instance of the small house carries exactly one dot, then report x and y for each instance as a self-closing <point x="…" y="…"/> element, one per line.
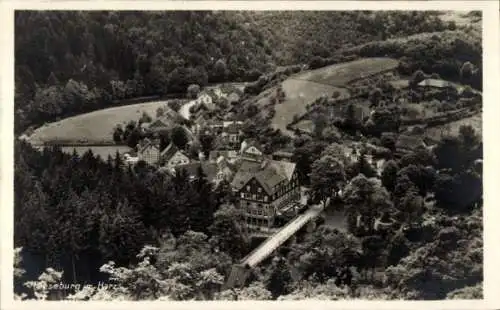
<point x="171" y="157"/>
<point x="162" y="123"/>
<point x="149" y="151"/>
<point x="232" y="133"/>
<point x="251" y="149"/>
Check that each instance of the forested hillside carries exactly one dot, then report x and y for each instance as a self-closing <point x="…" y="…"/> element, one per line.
<point x="73" y="62"/>
<point x="76" y="213"/>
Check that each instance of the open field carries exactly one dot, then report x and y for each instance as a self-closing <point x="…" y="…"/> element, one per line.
<point x="305" y="87"/>
<point x="454" y="127"/>
<point x="298" y="95"/>
<point x="102" y="151"/>
<point x="341" y="74"/>
<point x="93" y="127"/>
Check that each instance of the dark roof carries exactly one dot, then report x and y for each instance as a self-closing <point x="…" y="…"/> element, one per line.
<point x="268" y="173"/>
<point x="146" y="143"/>
<point x="169" y="151"/>
<point x="164" y="121"/>
<point x="169" y="113"/>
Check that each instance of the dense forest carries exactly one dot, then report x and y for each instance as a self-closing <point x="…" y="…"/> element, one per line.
<point x="73" y="62"/>
<point x="100" y="210"/>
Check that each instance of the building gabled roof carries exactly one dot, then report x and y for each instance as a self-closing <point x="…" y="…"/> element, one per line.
<point x="169" y="151"/>
<point x="435" y="83"/>
<point x="163" y="121"/>
<point x="248" y="143"/>
<point x="145" y="144"/>
<point x="268" y="173"/>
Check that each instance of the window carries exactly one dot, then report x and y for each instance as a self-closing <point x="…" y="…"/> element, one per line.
<point x="248" y="187"/>
<point x="254" y="197"/>
<point x="259" y="190"/>
<point x="242" y="195"/>
<point x="265" y="198"/>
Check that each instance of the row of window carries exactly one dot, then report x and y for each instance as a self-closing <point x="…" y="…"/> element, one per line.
<point x="264" y="198"/>
<point x="258" y="209"/>
<point x="257" y="222"/>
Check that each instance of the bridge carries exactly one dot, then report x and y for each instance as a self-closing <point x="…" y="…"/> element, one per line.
<point x="241" y="271"/>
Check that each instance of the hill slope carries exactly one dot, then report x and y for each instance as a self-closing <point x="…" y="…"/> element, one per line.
<point x="74" y="62"/>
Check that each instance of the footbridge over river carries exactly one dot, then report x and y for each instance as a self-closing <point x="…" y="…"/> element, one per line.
<point x="241" y="271"/>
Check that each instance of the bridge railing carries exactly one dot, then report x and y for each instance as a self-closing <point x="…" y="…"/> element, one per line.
<point x="306" y="217"/>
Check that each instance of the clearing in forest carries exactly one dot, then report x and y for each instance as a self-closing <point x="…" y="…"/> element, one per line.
<point x="453" y="128"/>
<point x="303" y="88"/>
<point x="93" y="127"/>
<point x="298" y="95"/>
<point x="341" y="74"/>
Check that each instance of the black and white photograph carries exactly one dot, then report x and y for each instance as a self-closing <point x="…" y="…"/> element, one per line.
<point x="241" y="155"/>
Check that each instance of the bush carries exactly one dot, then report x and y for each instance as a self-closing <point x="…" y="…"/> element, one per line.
<point x="193" y="91"/>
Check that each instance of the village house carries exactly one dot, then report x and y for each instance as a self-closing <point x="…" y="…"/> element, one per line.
<point x="171" y="156"/>
<point x="440" y="89"/>
<point x="232" y="133"/>
<point x="435" y="83"/>
<point x="162" y="123"/>
<point x="215" y="172"/>
<point x="265" y="189"/>
<point x="149" y="151"/>
<point x="251" y="150"/>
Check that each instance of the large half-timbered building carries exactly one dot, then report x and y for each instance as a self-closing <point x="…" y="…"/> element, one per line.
<point x="265" y="188"/>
